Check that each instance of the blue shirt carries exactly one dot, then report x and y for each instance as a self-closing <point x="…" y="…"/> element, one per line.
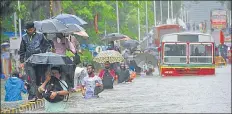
<point x="13" y="87"/>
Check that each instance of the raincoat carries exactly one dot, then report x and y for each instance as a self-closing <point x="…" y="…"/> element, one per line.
<point x="13" y="87"/>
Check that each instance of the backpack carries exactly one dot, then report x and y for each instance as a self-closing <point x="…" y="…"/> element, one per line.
<point x="54" y="85"/>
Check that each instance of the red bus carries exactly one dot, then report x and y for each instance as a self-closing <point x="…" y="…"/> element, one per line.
<point x="161" y="30"/>
<point x="218" y="19"/>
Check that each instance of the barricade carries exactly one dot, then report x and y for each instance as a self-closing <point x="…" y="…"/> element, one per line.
<point x="29" y="106"/>
<point x="219" y="61"/>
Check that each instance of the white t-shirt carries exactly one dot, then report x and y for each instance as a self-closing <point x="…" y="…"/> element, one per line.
<point x="90" y="83"/>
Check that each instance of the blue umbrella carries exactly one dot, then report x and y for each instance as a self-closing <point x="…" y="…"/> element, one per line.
<point x="70" y="19"/>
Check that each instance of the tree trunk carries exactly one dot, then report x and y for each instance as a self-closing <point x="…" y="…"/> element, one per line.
<point x="56" y="7"/>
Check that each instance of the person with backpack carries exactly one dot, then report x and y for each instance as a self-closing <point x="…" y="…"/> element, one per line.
<point x="108" y="76"/>
<point x="54" y="90"/>
<point x="91" y="84"/>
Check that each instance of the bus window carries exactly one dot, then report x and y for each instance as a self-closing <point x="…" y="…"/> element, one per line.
<point x="201" y="53"/>
<point x="175" y="53"/>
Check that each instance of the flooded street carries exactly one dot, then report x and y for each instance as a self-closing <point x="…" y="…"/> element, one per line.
<point x="190" y="94"/>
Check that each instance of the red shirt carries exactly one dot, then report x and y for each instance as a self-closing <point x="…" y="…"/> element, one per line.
<point x="112" y="72"/>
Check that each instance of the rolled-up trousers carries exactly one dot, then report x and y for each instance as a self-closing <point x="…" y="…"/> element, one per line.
<point x="37" y="76"/>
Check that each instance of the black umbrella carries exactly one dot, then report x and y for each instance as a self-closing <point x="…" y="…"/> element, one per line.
<point x="49" y="58"/>
<point x="130" y="44"/>
<point x="114" y="36"/>
<point x="145" y="58"/>
<point x="152" y="50"/>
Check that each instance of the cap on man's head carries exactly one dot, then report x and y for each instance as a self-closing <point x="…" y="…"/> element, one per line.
<point x="29" y="25"/>
<point x="56" y="68"/>
<point x="15" y="74"/>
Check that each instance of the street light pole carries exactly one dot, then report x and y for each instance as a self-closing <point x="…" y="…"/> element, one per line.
<point x="154" y="13"/>
<point x="184" y="15"/>
<point x="15" y="24"/>
<point x="230" y="18"/>
<point x="146" y="19"/>
<point x="161" y="10"/>
<point x="117" y="16"/>
<point x="105" y="27"/>
<point x="168" y="9"/>
<point x="138" y="24"/>
<point x="20" y="31"/>
<point x="172" y="9"/>
<point x="181" y="10"/>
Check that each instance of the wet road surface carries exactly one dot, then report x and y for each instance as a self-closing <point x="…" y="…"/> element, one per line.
<point x="190" y="94"/>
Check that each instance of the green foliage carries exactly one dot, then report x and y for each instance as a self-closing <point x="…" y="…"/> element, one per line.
<point x="86" y="56"/>
<point x="106" y="11"/>
<point x="3" y="38"/>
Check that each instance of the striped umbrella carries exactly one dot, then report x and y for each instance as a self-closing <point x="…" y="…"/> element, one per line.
<point x="109" y="55"/>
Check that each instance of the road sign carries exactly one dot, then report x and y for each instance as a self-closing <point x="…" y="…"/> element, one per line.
<point x="15" y="43"/>
<point x="98" y="49"/>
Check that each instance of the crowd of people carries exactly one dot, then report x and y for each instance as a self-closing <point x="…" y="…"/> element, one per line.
<point x="45" y="82"/>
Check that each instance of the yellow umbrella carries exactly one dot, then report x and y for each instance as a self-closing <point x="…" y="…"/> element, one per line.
<point x="109" y="55"/>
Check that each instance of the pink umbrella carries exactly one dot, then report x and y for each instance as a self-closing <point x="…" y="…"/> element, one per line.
<point x="81" y="33"/>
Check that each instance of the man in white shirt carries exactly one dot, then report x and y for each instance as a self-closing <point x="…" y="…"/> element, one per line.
<point x="91" y="84"/>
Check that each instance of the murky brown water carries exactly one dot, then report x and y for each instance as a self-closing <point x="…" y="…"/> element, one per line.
<point x="159" y="95"/>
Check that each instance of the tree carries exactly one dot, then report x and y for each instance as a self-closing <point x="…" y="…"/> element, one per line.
<point x="106" y="10"/>
<point x="57" y="8"/>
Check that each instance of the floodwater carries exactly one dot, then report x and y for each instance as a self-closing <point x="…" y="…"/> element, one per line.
<point x="188" y="94"/>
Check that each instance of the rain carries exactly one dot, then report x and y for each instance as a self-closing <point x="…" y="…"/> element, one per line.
<point x="115" y="56"/>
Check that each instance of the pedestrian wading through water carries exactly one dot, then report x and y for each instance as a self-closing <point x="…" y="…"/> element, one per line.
<point x="54" y="85"/>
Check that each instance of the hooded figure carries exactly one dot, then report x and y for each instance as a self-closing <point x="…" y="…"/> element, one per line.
<point x="13" y="87"/>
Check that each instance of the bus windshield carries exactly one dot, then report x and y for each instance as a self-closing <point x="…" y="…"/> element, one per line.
<point x="198" y="53"/>
<point x="175" y="53"/>
<point x="201" y="53"/>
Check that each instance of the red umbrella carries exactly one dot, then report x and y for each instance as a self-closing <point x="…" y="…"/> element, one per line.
<point x="222" y="38"/>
